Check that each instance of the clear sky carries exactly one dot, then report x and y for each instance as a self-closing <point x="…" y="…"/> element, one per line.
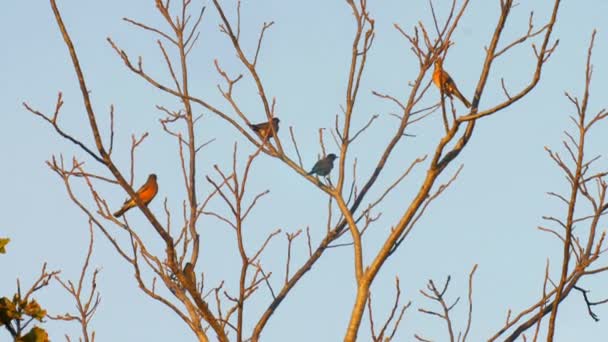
<point x="489" y="216"/>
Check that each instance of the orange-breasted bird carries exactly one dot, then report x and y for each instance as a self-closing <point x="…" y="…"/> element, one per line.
<point x="265" y="129"/>
<point x="446" y="84"/>
<point x="146" y="193"/>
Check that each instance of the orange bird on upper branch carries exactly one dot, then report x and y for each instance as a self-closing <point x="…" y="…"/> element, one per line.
<point x="266" y="130"/>
<point x="146" y="193"/>
<point x="446" y="84"/>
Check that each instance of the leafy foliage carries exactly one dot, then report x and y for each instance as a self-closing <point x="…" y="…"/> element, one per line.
<point x="3" y="243"/>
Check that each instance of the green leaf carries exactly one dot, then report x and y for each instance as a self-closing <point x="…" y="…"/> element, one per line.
<point x="3" y="243"/>
<point x="34" y="310"/>
<point x="8" y="311"/>
<point x="35" y="335"/>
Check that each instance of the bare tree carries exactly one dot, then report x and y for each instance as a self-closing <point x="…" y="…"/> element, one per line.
<point x="211" y="311"/>
<point x="587" y="186"/>
<point x="86" y="302"/>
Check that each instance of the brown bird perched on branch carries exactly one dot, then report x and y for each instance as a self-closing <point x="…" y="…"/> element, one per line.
<point x="266" y="130"/>
<point x="446" y="84"/>
<point x="146" y="193"/>
<point x="189" y="273"/>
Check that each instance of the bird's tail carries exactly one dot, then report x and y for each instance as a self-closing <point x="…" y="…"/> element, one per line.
<point x="462" y="98"/>
<point x="128" y="205"/>
<point x="120" y="212"/>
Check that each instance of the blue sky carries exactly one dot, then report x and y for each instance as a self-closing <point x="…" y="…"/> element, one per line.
<point x="489" y="216"/>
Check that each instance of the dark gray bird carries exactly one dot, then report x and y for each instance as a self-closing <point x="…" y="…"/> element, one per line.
<point x="265" y="129"/>
<point x="323" y="166"/>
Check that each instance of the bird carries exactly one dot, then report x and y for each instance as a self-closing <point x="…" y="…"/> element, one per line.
<point x="446" y="84"/>
<point x="266" y="130"/>
<point x="189" y="273"/>
<point x="146" y="193"/>
<point x="323" y="166"/>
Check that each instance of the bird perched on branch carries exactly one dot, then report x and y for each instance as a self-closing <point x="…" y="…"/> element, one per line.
<point x="446" y="84"/>
<point x="146" y="193"/>
<point x="189" y="273"/>
<point x="323" y="166"/>
<point x="266" y="130"/>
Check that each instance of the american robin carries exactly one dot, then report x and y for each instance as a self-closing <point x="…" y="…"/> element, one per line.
<point x="265" y="129"/>
<point x="323" y="166"/>
<point x="146" y="193"/>
<point x="446" y="84"/>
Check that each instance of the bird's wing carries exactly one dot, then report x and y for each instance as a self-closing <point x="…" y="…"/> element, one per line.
<point x="147" y="185"/>
<point x="258" y="126"/>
